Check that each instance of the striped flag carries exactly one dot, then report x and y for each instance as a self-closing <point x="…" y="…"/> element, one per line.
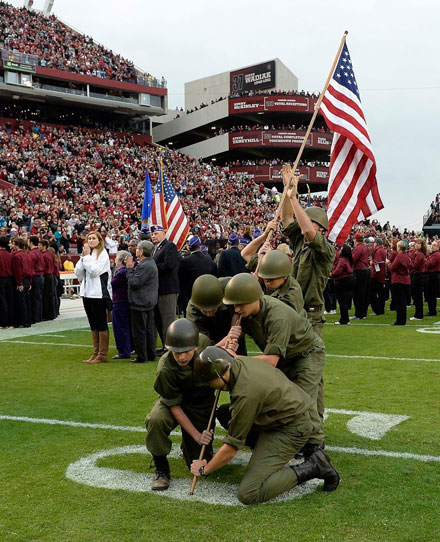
<point x="167" y="211"/>
<point x="352" y="193"/>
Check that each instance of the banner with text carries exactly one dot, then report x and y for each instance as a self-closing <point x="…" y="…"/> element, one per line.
<point x="278" y="103"/>
<point x="278" y="138"/>
<point x="266" y="174"/>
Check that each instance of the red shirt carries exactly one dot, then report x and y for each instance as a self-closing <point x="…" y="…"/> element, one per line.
<point x="360" y="257"/>
<point x="37" y="261"/>
<point x="49" y="262"/>
<point x="432" y="262"/>
<point x="378" y="259"/>
<point x="400" y="269"/>
<point x="343" y="269"/>
<point x="418" y="262"/>
<point x="5" y="263"/>
<point x="21" y="266"/>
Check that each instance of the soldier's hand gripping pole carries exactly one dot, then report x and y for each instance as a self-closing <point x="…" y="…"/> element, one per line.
<point x="202" y="451"/>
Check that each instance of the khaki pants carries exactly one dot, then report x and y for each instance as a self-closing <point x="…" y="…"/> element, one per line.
<point x="266" y="475"/>
<point x="317" y="320"/>
<point x="160" y="423"/>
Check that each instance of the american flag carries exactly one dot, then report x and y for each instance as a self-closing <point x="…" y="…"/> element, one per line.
<point x="352" y="194"/>
<point x="167" y="212"/>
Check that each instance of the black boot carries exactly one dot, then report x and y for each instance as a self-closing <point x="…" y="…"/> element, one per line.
<point x="161" y="480"/>
<point x="318" y="466"/>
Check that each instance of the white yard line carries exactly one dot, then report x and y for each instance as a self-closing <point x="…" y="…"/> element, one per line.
<point x="360" y="356"/>
<point x="354" y="450"/>
<point x="46" y="343"/>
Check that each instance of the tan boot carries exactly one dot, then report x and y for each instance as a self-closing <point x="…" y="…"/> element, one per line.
<point x="103" y="348"/>
<point x="95" y="340"/>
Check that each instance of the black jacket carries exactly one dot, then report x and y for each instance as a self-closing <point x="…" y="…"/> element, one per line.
<point x="189" y="269"/>
<point x="166" y="258"/>
<point x="231" y="263"/>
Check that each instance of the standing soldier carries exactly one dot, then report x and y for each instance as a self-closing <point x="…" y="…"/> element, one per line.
<point x="262" y="396"/>
<point x="286" y="339"/>
<point x="180" y="402"/>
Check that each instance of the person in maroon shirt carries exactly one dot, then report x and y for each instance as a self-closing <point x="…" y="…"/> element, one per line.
<point x="432" y="290"/>
<point x="378" y="277"/>
<point x="418" y="277"/>
<point x="22" y="271"/>
<point x="400" y="282"/>
<point x="49" y="281"/>
<point x="37" y="261"/>
<point x="342" y="275"/>
<point x="7" y="286"/>
<point x="361" y="268"/>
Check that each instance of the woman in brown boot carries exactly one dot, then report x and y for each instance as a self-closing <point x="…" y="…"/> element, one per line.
<point x="93" y="272"/>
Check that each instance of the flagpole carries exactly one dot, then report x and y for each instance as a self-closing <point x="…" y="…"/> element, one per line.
<point x="309" y="129"/>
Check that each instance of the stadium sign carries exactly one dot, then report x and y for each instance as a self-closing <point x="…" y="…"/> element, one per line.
<point x="278" y="138"/>
<point x="280" y="103"/>
<point x="18" y="66"/>
<point x="261" y="76"/>
<point x="13" y="60"/>
<point x="267" y="174"/>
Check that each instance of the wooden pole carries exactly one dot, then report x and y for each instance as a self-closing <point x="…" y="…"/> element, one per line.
<point x="309" y="129"/>
<point x="236" y="321"/>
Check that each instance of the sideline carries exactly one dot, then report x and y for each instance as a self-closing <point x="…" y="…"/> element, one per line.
<point x="341" y="449"/>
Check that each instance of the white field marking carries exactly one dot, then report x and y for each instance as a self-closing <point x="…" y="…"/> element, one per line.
<point x="47" y="344"/>
<point x="254" y="353"/>
<point x="51" y="335"/>
<point x="86" y="471"/>
<point x="397" y="455"/>
<point x="434" y="329"/>
<point x="371" y="425"/>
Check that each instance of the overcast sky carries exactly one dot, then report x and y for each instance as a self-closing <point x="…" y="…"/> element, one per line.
<point x="394" y="47"/>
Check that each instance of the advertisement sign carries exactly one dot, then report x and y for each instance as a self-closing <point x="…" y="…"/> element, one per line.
<point x="261" y="76"/>
<point x="272" y="174"/>
<point x="279" y="138"/>
<point x="276" y="103"/>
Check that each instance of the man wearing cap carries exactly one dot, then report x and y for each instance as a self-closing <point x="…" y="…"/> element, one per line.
<point x="361" y="273"/>
<point x="378" y="277"/>
<point x="231" y="263"/>
<point x="286" y="339"/>
<point x="191" y="267"/>
<point x="166" y="257"/>
<point x="208" y="312"/>
<point x="180" y="402"/>
<point x="263" y="397"/>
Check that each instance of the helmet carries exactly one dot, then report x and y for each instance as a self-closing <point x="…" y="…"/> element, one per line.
<point x="275" y="264"/>
<point x="223" y="281"/>
<point x="207" y="293"/>
<point x="241" y="289"/>
<point x="182" y="335"/>
<point x="318" y="215"/>
<point x="212" y="363"/>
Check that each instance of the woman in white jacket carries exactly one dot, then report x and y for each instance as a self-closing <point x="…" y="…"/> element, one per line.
<point x="93" y="272"/>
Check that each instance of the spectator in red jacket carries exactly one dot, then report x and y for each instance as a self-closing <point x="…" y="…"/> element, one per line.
<point x="400" y="282"/>
<point x="432" y="291"/>
<point x="37" y="262"/>
<point x="378" y="277"/>
<point x="22" y="271"/>
<point x="343" y="278"/>
<point x="418" y="277"/>
<point x="7" y="285"/>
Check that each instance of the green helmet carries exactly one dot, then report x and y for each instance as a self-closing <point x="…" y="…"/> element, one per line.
<point x="212" y="363"/>
<point x="224" y="281"/>
<point x="241" y="289"/>
<point x="318" y="215"/>
<point x="275" y="264"/>
<point x="207" y="293"/>
<point x="182" y="335"/>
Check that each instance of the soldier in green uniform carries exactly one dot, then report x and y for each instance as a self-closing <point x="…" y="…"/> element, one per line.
<point x="285" y="337"/>
<point x="275" y="270"/>
<point x="208" y="312"/>
<point x="180" y="402"/>
<point x="262" y="396"/>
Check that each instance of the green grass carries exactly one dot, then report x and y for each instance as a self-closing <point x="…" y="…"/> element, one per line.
<point x="379" y="499"/>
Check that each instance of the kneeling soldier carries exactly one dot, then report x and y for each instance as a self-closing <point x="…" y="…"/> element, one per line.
<point x="180" y="402"/>
<point x="263" y="396"/>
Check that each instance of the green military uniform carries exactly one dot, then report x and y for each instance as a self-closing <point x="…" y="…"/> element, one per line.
<point x="252" y="263"/>
<point x="311" y="268"/>
<point x="279" y="330"/>
<point x="290" y="293"/>
<point x="175" y="385"/>
<point x="263" y="396"/>
<point x="215" y="327"/>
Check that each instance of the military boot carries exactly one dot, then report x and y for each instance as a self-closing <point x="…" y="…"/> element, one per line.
<point x="161" y="480"/>
<point x="318" y="466"/>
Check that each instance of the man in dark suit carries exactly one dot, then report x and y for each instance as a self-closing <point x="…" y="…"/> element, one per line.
<point x="231" y="263"/>
<point x="166" y="257"/>
<point x="191" y="267"/>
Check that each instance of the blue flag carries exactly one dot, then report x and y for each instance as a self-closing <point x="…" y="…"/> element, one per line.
<point x="148" y="198"/>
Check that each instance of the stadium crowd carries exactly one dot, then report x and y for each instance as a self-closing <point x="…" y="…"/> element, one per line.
<point x="59" y="47"/>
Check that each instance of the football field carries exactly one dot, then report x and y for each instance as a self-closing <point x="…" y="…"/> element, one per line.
<point x="74" y="465"/>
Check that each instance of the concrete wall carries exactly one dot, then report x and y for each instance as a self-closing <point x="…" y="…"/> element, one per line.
<point x="207" y="115"/>
<point x="208" y="147"/>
